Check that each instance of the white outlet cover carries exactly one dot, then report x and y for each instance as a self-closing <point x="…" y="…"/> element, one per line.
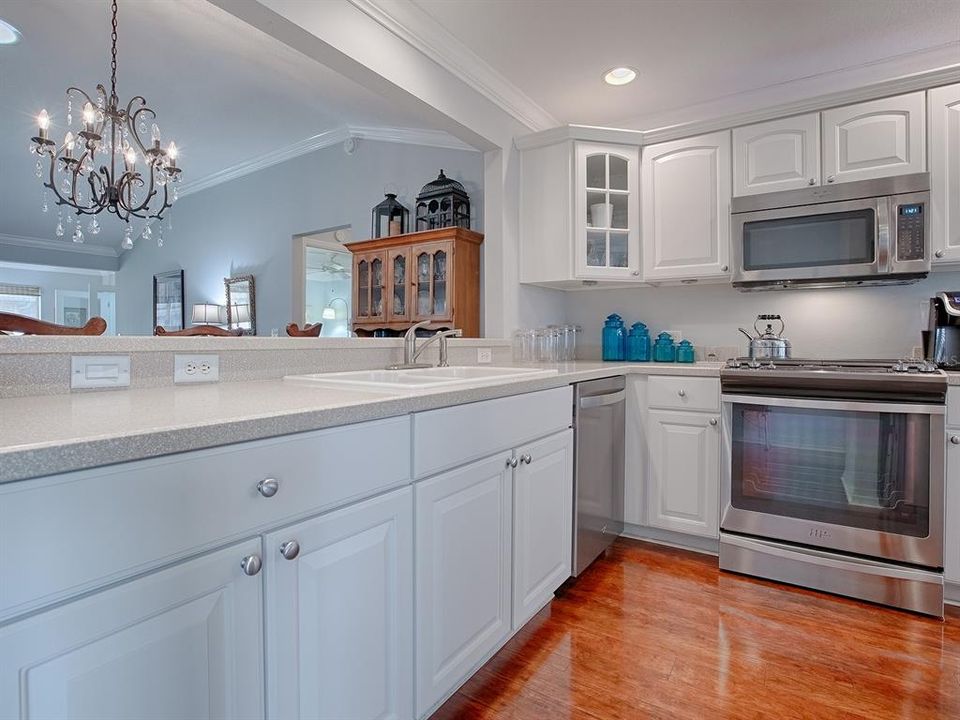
<point x="99" y="371"/>
<point x="196" y="368"/>
<point x="484" y="356"/>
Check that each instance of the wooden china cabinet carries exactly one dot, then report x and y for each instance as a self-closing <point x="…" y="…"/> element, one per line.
<point x="404" y="279"/>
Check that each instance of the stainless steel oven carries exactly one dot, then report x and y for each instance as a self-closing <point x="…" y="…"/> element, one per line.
<point x="867" y="232"/>
<point x="835" y="480"/>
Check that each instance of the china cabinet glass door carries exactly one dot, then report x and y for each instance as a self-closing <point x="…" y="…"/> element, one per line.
<point x="433" y="285"/>
<point x="370" y="285"/>
<point x="398" y="262"/>
<point x="608" y="233"/>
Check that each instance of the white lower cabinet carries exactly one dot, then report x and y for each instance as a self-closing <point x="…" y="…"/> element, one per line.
<point x="463" y="570"/>
<point x="339" y="614"/>
<point x="181" y="643"/>
<point x="542" y="523"/>
<point x="684" y="472"/>
<point x="951" y="510"/>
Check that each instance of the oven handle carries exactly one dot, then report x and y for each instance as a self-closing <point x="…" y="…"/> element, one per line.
<point x="849" y="405"/>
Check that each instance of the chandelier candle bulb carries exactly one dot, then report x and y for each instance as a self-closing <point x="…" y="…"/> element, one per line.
<point x="172" y="153"/>
<point x="89" y="117"/>
<point x="68" y="143"/>
<point x="43" y="121"/>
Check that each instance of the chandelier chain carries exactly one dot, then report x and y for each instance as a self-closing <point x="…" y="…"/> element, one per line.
<point x="113" y="52"/>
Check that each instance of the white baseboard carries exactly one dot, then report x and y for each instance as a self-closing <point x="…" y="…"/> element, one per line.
<point x="707" y="546"/>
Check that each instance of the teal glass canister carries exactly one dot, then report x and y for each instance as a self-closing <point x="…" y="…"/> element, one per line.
<point x="638" y="343"/>
<point x="663" y="349"/>
<point x="614" y="338"/>
<point x="685" y="352"/>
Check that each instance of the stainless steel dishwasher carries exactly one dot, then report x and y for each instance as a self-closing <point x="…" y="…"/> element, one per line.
<point x="599" y="416"/>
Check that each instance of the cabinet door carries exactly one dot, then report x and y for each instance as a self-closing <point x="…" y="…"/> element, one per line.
<point x="951" y="539"/>
<point x="607" y="223"/>
<point x="462" y="542"/>
<point x="368" y="286"/>
<point x="399" y="284"/>
<point x="433" y="289"/>
<point x="181" y="643"/>
<point x="875" y="139"/>
<point x="542" y="523"/>
<point x="340" y="614"/>
<point x="684" y="472"/>
<point x="777" y="155"/>
<point x="944" y="109"/>
<point x="686" y="208"/>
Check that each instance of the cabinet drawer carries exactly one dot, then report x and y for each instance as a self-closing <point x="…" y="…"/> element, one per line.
<point x="67" y="533"/>
<point x="684" y="393"/>
<point x="454" y="436"/>
<point x="953" y="406"/>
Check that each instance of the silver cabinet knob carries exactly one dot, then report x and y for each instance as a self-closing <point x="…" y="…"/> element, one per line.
<point x="682" y="393"/>
<point x="939" y="253"/>
<point x="268" y="487"/>
<point x="713" y="421"/>
<point x="512" y="462"/>
<point x="812" y="181"/>
<point x="635" y="273"/>
<point x="724" y="268"/>
<point x="251" y="564"/>
<point x="955" y="439"/>
<point x="526" y="459"/>
<point x="290" y="549"/>
<point x="830" y="178"/>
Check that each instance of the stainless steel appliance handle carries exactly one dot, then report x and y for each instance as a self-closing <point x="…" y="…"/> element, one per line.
<point x="850" y="405"/>
<point x="593" y="401"/>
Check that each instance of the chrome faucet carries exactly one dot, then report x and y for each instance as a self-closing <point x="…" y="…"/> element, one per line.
<point x="411" y="351"/>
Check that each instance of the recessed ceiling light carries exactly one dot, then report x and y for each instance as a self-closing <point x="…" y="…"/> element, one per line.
<point x="620" y="76"/>
<point x="9" y="35"/>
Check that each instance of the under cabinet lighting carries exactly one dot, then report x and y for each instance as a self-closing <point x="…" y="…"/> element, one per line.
<point x="620" y="76"/>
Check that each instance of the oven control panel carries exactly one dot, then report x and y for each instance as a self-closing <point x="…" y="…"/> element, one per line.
<point x="910" y="244"/>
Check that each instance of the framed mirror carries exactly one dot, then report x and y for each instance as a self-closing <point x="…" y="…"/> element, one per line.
<point x="168" y="305"/>
<point x="241" y="304"/>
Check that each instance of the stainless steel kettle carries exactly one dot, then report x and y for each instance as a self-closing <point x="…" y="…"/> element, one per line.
<point x="768" y="345"/>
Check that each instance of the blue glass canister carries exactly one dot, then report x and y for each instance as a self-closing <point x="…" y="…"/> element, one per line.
<point x="685" y="352"/>
<point x="638" y="343"/>
<point x="663" y="349"/>
<point x="614" y="338"/>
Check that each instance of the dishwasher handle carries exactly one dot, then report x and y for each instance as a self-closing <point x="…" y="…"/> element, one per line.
<point x="594" y="401"/>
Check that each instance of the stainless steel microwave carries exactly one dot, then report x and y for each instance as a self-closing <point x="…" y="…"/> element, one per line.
<point x="869" y="232"/>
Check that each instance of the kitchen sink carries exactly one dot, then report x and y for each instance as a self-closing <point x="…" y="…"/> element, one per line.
<point x="421" y="379"/>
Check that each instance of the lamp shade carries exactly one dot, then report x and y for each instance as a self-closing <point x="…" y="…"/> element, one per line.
<point x="329" y="314"/>
<point x="209" y="314"/>
<point x="240" y="314"/>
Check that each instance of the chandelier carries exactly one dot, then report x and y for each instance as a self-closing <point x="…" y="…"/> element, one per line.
<point x="103" y="162"/>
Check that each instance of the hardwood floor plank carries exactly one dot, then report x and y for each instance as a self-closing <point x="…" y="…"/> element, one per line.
<point x="651" y="633"/>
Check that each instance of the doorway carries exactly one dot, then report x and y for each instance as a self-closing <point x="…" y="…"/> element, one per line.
<point x="322" y="281"/>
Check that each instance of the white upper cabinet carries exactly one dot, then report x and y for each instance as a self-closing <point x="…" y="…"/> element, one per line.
<point x="944" y="111"/>
<point x="777" y="155"/>
<point x="580" y="214"/>
<point x="607" y="217"/>
<point x="875" y="139"/>
<point x="686" y="208"/>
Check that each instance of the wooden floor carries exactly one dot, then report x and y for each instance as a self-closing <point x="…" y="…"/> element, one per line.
<point x="651" y="632"/>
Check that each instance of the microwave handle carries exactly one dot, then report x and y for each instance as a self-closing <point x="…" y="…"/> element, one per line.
<point x="885" y="232"/>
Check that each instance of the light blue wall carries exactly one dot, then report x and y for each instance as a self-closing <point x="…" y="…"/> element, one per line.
<point x="49" y="281"/>
<point x="246" y="226"/>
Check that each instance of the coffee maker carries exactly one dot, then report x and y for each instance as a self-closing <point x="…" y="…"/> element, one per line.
<point x="941" y="341"/>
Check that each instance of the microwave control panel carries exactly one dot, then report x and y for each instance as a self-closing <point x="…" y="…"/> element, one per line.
<point x="910" y="245"/>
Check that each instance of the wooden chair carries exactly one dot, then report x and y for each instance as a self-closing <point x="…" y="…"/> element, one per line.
<point x="294" y="330"/>
<point x="197" y="330"/>
<point x="12" y="323"/>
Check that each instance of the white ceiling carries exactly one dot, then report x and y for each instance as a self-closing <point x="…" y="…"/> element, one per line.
<point x="694" y="55"/>
<point x="222" y="89"/>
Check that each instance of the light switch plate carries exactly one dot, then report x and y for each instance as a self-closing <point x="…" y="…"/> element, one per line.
<point x="99" y="371"/>
<point x="196" y="368"/>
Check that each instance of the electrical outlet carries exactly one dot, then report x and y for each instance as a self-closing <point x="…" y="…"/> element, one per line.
<point x="99" y="371"/>
<point x="196" y="368"/>
<point x="484" y="356"/>
<point x="677" y="335"/>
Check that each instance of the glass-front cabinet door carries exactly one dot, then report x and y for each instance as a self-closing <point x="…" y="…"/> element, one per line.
<point x="607" y="212"/>
<point x="400" y="282"/>
<point x="369" y="301"/>
<point x="432" y="263"/>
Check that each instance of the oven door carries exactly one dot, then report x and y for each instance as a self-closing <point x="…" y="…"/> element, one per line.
<point x="826" y="241"/>
<point x="858" y="477"/>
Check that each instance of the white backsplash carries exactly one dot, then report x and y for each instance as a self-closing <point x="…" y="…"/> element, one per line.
<point x="878" y="322"/>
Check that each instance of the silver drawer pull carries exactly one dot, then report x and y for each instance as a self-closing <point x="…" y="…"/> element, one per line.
<point x="290" y="549"/>
<point x="955" y="439"/>
<point x="512" y="462"/>
<point x="526" y="459"/>
<point x="713" y="421"/>
<point x="268" y="487"/>
<point x="251" y="564"/>
<point x="682" y="393"/>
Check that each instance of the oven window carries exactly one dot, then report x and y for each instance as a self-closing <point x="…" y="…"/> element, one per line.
<point x="845" y="238"/>
<point x="859" y="469"/>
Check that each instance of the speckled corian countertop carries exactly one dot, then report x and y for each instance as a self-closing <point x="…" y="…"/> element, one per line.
<point x="43" y="435"/>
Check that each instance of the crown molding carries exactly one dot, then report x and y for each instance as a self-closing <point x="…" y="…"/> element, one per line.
<point x="57" y="245"/>
<point x="410" y="136"/>
<point x="437" y="43"/>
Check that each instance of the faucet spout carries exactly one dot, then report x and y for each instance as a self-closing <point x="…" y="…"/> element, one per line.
<point x="411" y="351"/>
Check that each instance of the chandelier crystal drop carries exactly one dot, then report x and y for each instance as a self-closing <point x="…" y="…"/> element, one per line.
<point x="106" y="162"/>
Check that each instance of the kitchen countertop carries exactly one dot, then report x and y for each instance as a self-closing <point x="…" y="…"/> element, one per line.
<point x="44" y="435"/>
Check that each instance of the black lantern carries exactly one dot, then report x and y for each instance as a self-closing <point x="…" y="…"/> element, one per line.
<point x="389" y="218"/>
<point x="443" y="203"/>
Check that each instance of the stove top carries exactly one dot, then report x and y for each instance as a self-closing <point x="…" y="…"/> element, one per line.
<point x="897" y="367"/>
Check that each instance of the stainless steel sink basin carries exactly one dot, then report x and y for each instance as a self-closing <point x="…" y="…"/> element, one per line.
<point x="421" y="379"/>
